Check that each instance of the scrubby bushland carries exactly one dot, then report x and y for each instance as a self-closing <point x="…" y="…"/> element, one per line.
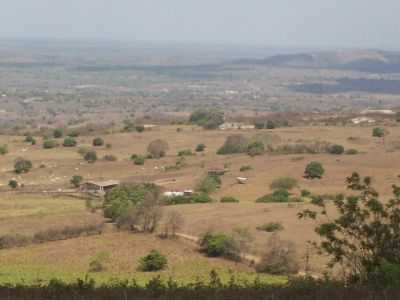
<point x="152" y="262"/>
<point x="197" y="198"/>
<point x="255" y="148"/>
<point x="270" y="227"/>
<point x="208" y="184"/>
<point x="301" y="147"/>
<point x="284" y="183"/>
<point x="186" y="152"/>
<point x="278" y="196"/>
<point x="12" y="241"/>
<point x="364" y="236"/>
<point x="208" y="119"/>
<point x="22" y="166"/>
<point x="157" y="148"/>
<point x="229" y="200"/>
<point x="351" y="152"/>
<point x="314" y="170"/>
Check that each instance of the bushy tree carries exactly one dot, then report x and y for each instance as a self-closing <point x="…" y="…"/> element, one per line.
<point x="139" y="160"/>
<point x="58" y="133"/>
<point x="50" y="144"/>
<point x="236" y="143"/>
<point x="13" y="184"/>
<point x="378" y="132"/>
<point x="284" y="183"/>
<point x="98" y="142"/>
<point x="120" y="199"/>
<point x="314" y="170"/>
<point x="139" y="128"/>
<point x="364" y="236"/>
<point x="200" y="147"/>
<point x="208" y="184"/>
<point x="22" y="166"/>
<point x="90" y="156"/>
<point x="229" y="199"/>
<point x="158" y="148"/>
<point x="30" y="140"/>
<point x="255" y="148"/>
<point x="3" y="149"/>
<point x="336" y="149"/>
<point x="153" y="262"/>
<point x="76" y="180"/>
<point x="69" y="142"/>
<point x="208" y="119"/>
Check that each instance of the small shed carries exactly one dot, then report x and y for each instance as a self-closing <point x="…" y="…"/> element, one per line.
<point x="99" y="187"/>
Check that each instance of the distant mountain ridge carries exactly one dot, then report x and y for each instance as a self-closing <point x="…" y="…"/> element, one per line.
<point x="363" y="60"/>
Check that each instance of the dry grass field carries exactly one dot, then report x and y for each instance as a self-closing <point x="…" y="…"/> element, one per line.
<point x="24" y="213"/>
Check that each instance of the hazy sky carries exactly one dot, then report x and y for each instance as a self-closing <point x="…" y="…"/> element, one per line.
<point x="344" y="23"/>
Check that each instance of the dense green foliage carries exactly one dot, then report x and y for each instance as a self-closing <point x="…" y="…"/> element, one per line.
<point x="50" y="144"/>
<point x="365" y="235"/>
<point x="90" y="156"/>
<point x="69" y="142"/>
<point x="13" y="184"/>
<point x="76" y="180"/>
<point x="229" y="200"/>
<point x="198" y="198"/>
<point x="278" y="196"/>
<point x="208" y="119"/>
<point x="186" y="152"/>
<point x="200" y="147"/>
<point x="22" y="166"/>
<point x="255" y="148"/>
<point x="314" y="170"/>
<point x="336" y="149"/>
<point x="98" y="142"/>
<point x="120" y="199"/>
<point x="152" y="262"/>
<point x="209" y="184"/>
<point x="378" y="132"/>
<point x="58" y="133"/>
<point x="216" y="244"/>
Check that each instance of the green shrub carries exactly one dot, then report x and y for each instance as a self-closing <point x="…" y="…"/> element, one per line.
<point x="255" y="148"/>
<point x="98" y="142"/>
<point x="229" y="200"/>
<point x="245" y="168"/>
<point x="50" y="144"/>
<point x="208" y="184"/>
<point x="284" y="183"/>
<point x="152" y="262"/>
<point x="378" y="132"/>
<point x="69" y="142"/>
<point x="22" y="166"/>
<point x="200" y="147"/>
<point x="139" y="160"/>
<point x="216" y="244"/>
<point x="139" y="128"/>
<point x="13" y="184"/>
<point x="208" y="119"/>
<point x="76" y="180"/>
<point x="336" y="149"/>
<point x="271" y="227"/>
<point x="314" y="170"/>
<point x="186" y="152"/>
<point x="305" y="193"/>
<point x="3" y="149"/>
<point x="278" y="196"/>
<point x="58" y="133"/>
<point x="98" y="263"/>
<point x="91" y="156"/>
<point x="351" y="152"/>
<point x="30" y="140"/>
